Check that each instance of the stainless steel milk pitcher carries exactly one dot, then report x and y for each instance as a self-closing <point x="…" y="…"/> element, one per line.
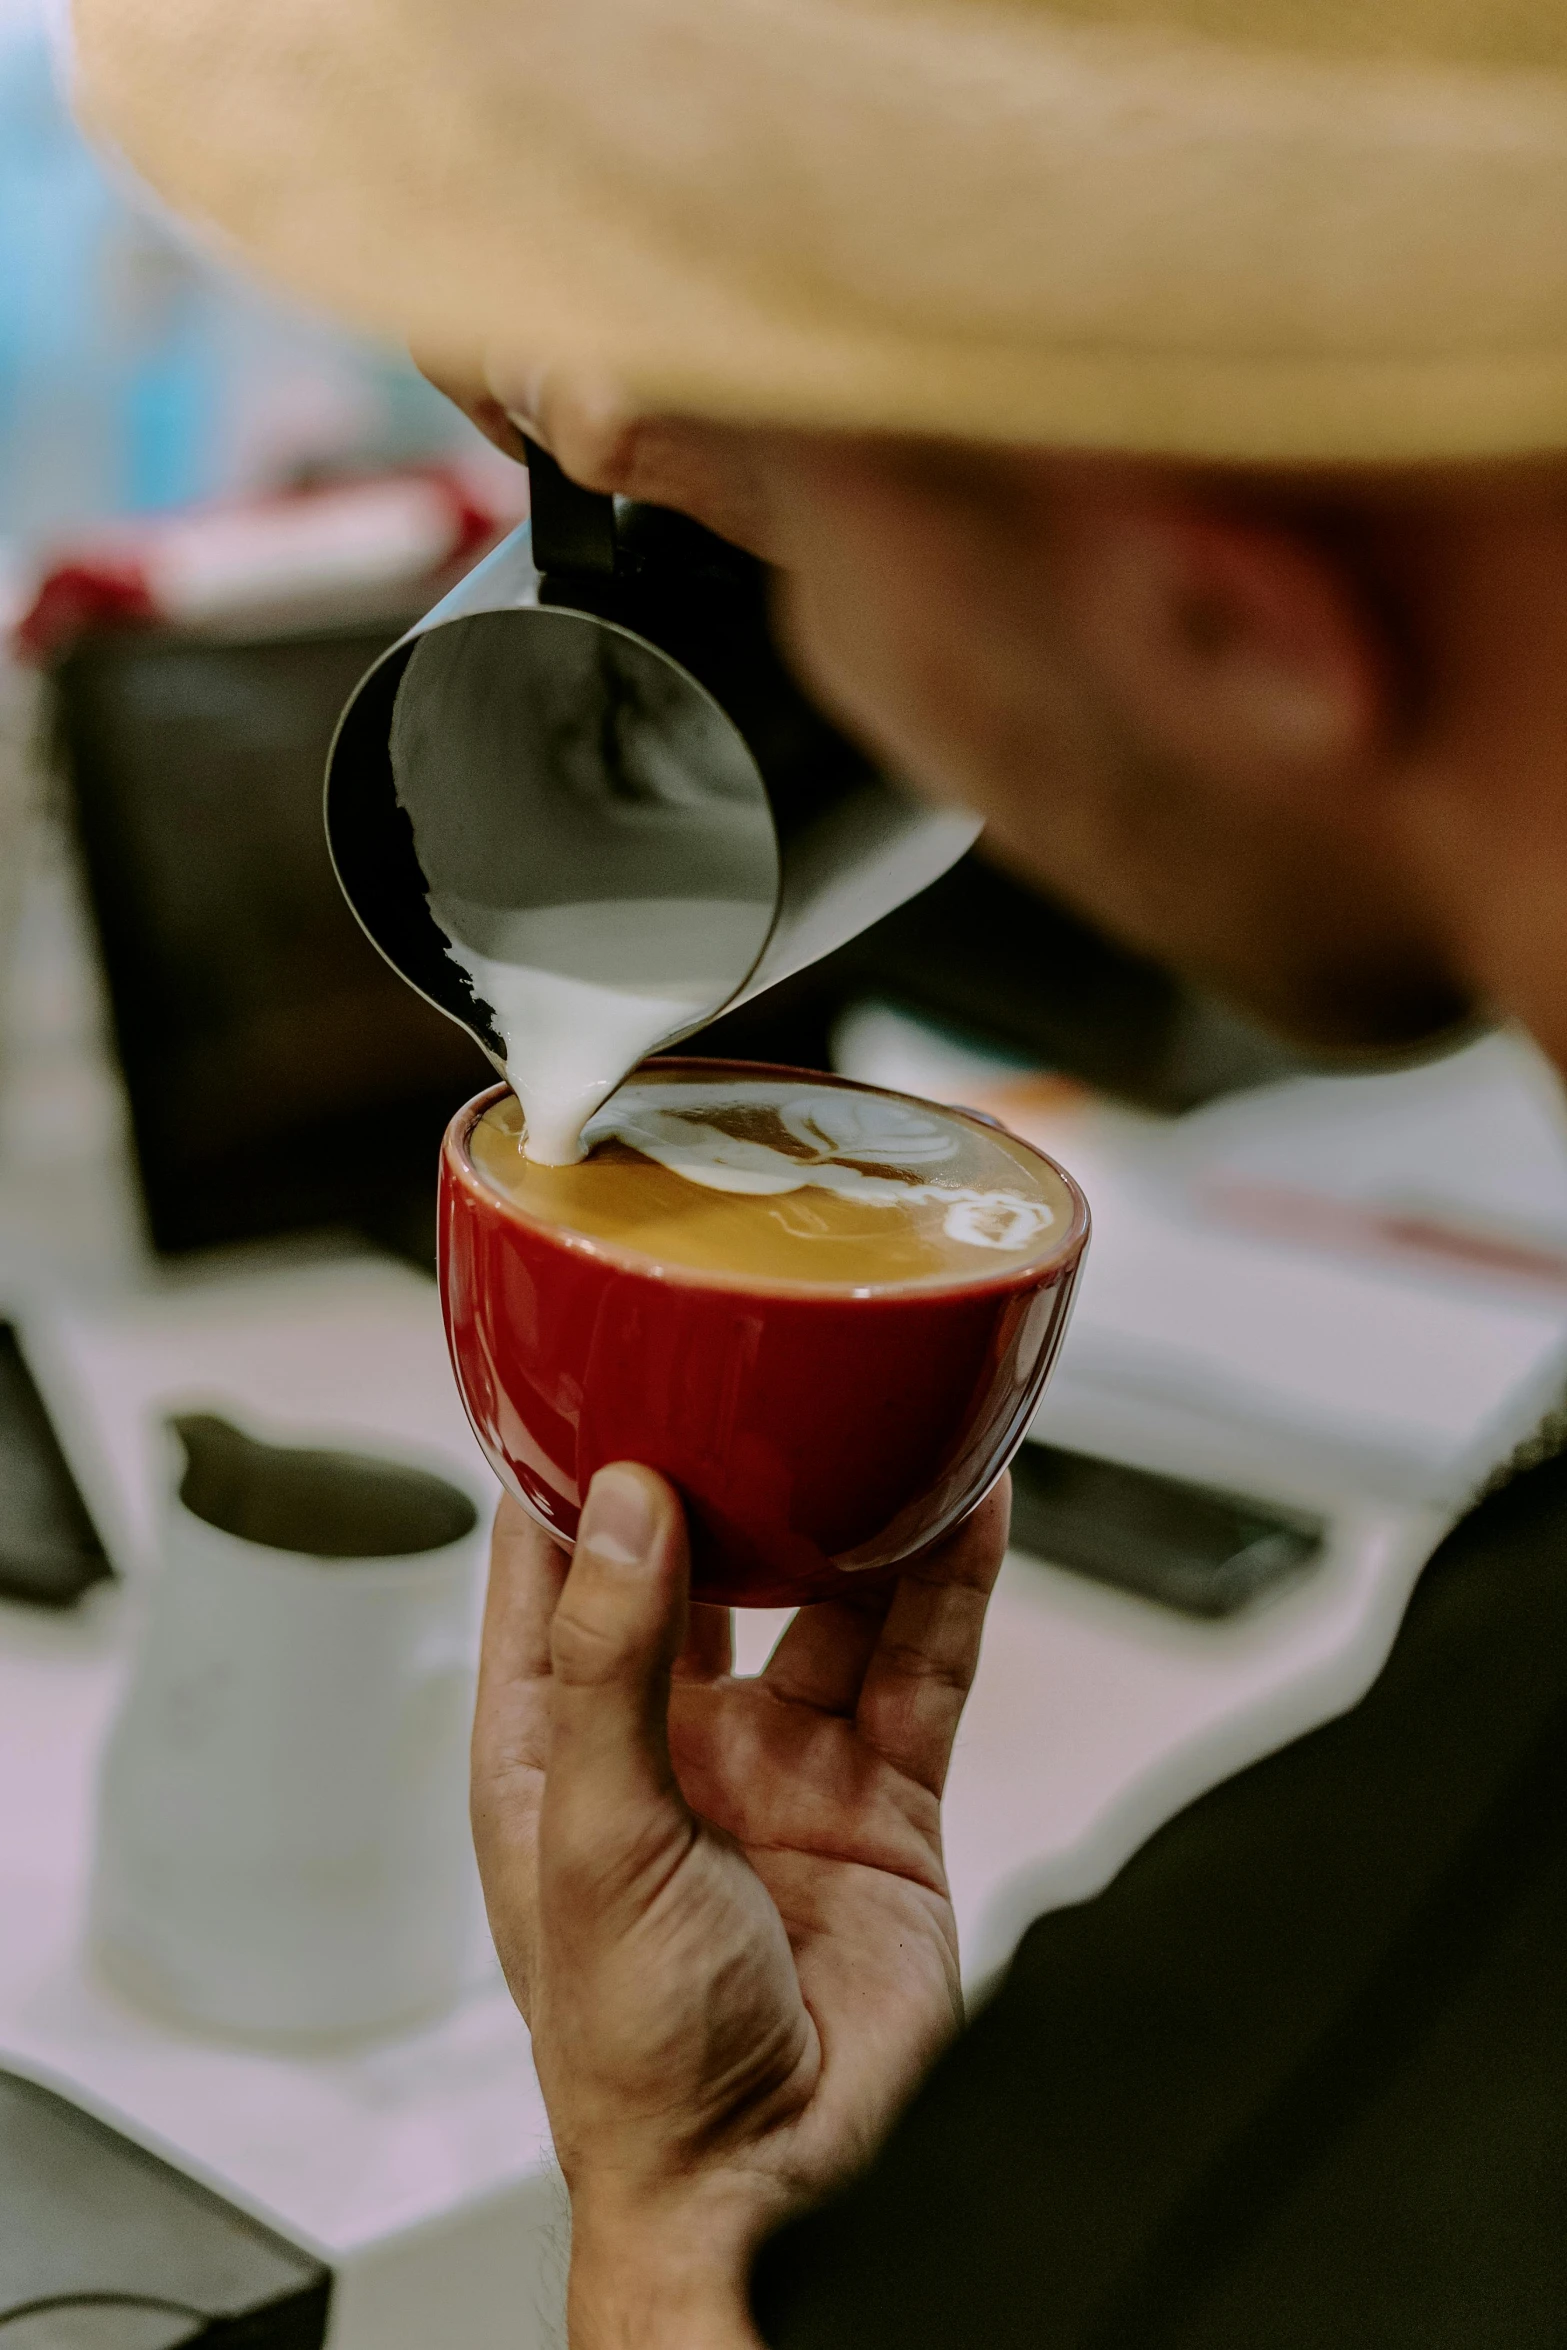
<point x="598" y="712"/>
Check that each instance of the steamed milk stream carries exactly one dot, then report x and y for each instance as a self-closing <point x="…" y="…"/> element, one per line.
<point x="779" y="1180"/>
<point x="783" y="1180"/>
<point x="596" y="844"/>
<point x="583" y="993"/>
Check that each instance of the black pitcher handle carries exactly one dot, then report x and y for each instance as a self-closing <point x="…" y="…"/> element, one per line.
<point x="573" y="528"/>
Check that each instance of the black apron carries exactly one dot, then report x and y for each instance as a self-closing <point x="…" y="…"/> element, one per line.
<point x="1297" y="2080"/>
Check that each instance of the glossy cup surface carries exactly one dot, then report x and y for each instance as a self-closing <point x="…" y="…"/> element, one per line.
<point x="814" y="1434"/>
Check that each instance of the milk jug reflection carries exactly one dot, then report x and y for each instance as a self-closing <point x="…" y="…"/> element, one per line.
<point x="282" y="1842"/>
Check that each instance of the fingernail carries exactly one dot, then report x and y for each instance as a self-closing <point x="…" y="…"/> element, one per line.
<point x="617" y="1522"/>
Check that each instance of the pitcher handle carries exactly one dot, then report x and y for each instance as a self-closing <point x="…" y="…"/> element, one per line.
<point x="573" y="528"/>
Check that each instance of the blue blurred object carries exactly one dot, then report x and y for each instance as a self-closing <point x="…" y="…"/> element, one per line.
<point x="134" y="372"/>
<point x="57" y="428"/>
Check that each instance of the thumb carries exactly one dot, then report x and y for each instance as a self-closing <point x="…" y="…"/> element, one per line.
<point x="613" y="1812"/>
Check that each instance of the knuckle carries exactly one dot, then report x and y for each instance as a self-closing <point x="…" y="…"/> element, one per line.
<point x="597" y="1871"/>
<point x="966" y="1565"/>
<point x="584" y="1651"/>
<point x="515" y="1524"/>
<point x="924" y="1671"/>
<point x="601" y="452"/>
<point x="503" y="1808"/>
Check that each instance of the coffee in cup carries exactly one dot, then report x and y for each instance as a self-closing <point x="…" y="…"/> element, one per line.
<point x="771" y="1178"/>
<point x="825" y="1313"/>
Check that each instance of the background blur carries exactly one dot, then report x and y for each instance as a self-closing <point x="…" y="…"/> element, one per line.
<point x="140" y="380"/>
<point x="135" y="375"/>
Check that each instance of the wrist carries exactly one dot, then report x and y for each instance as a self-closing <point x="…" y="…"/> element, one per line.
<point x="641" y="2315"/>
<point x="674" y="2279"/>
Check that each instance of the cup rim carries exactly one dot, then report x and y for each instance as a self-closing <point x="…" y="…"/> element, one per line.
<point x="458" y="1162"/>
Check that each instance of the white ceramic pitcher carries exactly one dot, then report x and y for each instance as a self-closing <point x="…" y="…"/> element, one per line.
<point x="283" y="1849"/>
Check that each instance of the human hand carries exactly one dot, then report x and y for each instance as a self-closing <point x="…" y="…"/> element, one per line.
<point x="715" y="474"/>
<point x="720" y="1903"/>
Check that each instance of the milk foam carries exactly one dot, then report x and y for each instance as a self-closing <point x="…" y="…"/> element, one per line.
<point x="841" y="1134"/>
<point x="582" y="993"/>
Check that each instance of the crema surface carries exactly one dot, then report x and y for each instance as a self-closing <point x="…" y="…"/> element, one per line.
<point x="820" y="1184"/>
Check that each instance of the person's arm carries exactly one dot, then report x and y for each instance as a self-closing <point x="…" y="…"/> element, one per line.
<point x="720" y="1903"/>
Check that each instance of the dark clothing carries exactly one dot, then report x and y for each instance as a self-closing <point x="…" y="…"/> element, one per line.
<point x="1298" y="2079"/>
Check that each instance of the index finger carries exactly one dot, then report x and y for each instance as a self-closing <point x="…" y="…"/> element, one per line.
<point x="822" y="1653"/>
<point x="603" y="440"/>
<point x="511" y="1717"/>
<point x="920" y="1673"/>
<point x="466" y="389"/>
<point x="511" y="1728"/>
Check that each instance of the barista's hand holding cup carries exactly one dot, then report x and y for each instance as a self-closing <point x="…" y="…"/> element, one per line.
<point x="824" y="1313"/>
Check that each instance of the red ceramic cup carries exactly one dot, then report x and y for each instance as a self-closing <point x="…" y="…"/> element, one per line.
<point x="814" y="1435"/>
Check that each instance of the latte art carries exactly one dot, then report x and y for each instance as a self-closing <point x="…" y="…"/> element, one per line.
<point x="784" y="1181"/>
<point x="840" y="1136"/>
